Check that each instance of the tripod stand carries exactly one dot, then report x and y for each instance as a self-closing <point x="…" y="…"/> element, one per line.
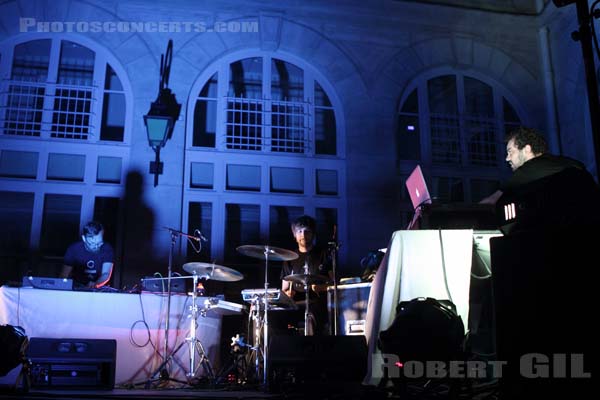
<point x="194" y="345"/>
<point x="164" y="374"/>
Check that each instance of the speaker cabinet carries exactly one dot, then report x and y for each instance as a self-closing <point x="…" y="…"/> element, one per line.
<point x="72" y="363"/>
<point x="545" y="306"/>
<point x="312" y="360"/>
<point x="352" y="308"/>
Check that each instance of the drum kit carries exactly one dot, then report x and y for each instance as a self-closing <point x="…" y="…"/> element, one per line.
<point x="265" y="297"/>
<point x="260" y="300"/>
<point x="266" y="253"/>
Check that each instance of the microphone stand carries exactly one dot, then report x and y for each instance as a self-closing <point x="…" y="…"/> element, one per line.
<point x="162" y="368"/>
<point x="164" y="374"/>
<point x="333" y="248"/>
<point x="173" y="240"/>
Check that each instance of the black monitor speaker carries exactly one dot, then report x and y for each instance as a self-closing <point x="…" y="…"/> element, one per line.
<point x="72" y="363"/>
<point x="314" y="360"/>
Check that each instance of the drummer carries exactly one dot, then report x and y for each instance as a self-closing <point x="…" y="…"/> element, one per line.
<point x="313" y="260"/>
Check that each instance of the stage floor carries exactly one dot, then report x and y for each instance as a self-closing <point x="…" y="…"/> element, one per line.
<point x="154" y="394"/>
<point x="321" y="390"/>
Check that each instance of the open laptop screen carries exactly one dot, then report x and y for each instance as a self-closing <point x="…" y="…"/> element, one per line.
<point x="417" y="188"/>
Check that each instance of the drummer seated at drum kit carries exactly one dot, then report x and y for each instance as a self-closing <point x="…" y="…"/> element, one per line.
<point x="312" y="268"/>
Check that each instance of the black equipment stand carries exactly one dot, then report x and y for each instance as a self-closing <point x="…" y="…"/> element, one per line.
<point x="194" y="344"/>
<point x="334" y="246"/>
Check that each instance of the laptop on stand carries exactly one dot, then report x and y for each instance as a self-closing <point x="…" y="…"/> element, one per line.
<point x="445" y="215"/>
<point x="419" y="194"/>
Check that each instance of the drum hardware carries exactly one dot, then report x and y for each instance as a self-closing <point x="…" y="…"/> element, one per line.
<point x="261" y="252"/>
<point x="333" y="248"/>
<point x="194" y="344"/>
<point x="212" y="271"/>
<point x="204" y="271"/>
<point x="264" y="252"/>
<point x="220" y="306"/>
<point x="307" y="280"/>
<point x="278" y="300"/>
<point x="198" y="271"/>
<point x="235" y="371"/>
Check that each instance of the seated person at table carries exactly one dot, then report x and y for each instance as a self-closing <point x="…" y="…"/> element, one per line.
<point x="89" y="261"/>
<point x="313" y="260"/>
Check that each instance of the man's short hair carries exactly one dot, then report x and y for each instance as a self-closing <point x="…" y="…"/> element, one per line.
<point x="92" y="228"/>
<point x="524" y="136"/>
<point x="304" y="221"/>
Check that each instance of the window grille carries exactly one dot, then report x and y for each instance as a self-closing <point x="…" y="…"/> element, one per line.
<point x="72" y="112"/>
<point x="69" y="116"/>
<point x="248" y="125"/>
<point x="22" y="112"/>
<point x="289" y="127"/>
<point x="445" y="139"/>
<point x="481" y="142"/>
<point x="244" y="124"/>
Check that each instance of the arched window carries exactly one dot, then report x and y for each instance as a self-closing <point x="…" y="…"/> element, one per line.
<point x="269" y="105"/>
<point x="64" y="125"/>
<point x="264" y="147"/>
<point x="62" y="89"/>
<point x="454" y="125"/>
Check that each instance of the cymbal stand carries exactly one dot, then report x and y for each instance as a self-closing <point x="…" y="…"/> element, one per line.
<point x="334" y="247"/>
<point x="194" y="344"/>
<point x="266" y="320"/>
<point x="306" y="310"/>
<point x="174" y="234"/>
<point x="307" y="299"/>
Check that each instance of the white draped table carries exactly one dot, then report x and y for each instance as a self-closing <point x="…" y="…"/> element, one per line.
<point x="119" y="316"/>
<point x="419" y="263"/>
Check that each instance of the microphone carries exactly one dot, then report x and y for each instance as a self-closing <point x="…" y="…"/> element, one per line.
<point x="334" y="243"/>
<point x="199" y="236"/>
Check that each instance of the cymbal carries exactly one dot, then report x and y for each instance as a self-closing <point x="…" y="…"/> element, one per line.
<point x="306" y="279"/>
<point x="275" y="253"/>
<point x="213" y="271"/>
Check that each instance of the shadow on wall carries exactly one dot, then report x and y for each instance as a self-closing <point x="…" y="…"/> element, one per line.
<point x="138" y="226"/>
